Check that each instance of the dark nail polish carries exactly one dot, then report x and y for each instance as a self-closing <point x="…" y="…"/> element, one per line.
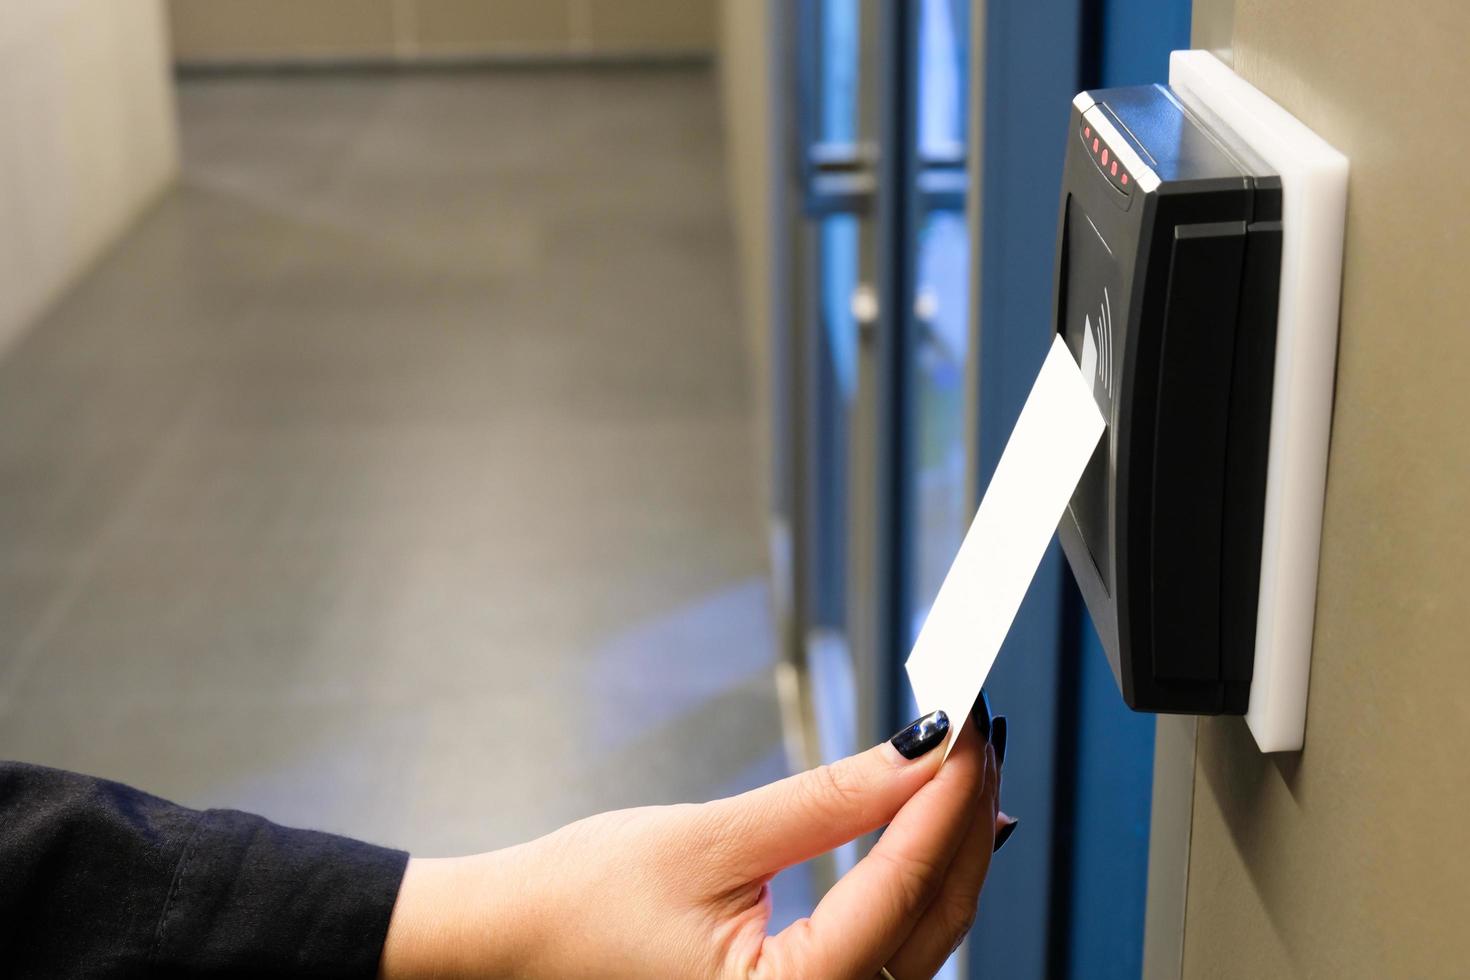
<point x="981" y="714"/>
<point x="1005" y="834"/>
<point x="998" y="740"/>
<point x="921" y="734"/>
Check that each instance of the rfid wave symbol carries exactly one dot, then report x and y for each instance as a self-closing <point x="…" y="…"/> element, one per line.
<point x="1097" y="345"/>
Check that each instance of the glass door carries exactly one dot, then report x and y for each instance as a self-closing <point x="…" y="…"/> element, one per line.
<point x="880" y="166"/>
<point x="903" y="391"/>
<point x="937" y="488"/>
<point x="836" y="321"/>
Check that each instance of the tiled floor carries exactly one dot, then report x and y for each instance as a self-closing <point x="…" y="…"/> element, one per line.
<point x="394" y="476"/>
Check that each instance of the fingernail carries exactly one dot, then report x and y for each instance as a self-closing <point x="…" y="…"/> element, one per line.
<point x="921" y="734"/>
<point x="981" y="714"/>
<point x="1005" y="835"/>
<point x="998" y="740"/>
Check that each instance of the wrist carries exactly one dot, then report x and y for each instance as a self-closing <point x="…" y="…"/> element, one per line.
<point x="457" y="917"/>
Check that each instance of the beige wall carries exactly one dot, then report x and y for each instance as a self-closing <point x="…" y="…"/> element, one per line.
<point x="86" y="139"/>
<point x="748" y="66"/>
<point x="208" y="31"/>
<point x="1353" y="859"/>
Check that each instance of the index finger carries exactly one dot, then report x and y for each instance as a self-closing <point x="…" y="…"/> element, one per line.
<point x="867" y="915"/>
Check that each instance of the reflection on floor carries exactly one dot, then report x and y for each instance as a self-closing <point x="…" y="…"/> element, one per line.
<point x="394" y="476"/>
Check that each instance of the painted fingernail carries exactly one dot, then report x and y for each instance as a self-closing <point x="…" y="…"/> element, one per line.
<point x="1005" y="835"/>
<point x="981" y="714"/>
<point x="998" y="740"/>
<point x="921" y="734"/>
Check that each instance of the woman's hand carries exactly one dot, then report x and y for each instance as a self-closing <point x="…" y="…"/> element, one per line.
<point x="680" y="891"/>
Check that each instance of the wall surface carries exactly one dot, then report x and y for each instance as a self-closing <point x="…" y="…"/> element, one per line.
<point x="1353" y="858"/>
<point x="213" y="31"/>
<point x="87" y="138"/>
<point x="750" y="34"/>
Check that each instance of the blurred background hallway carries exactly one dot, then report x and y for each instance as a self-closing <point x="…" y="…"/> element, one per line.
<point x="414" y="491"/>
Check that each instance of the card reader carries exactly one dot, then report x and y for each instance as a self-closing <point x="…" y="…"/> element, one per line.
<point x="1167" y="276"/>
<point x="1193" y="533"/>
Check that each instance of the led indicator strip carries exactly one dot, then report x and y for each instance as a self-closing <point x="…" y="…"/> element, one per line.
<point x="1117" y="160"/>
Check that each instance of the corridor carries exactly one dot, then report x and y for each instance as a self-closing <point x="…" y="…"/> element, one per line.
<point x="396" y="474"/>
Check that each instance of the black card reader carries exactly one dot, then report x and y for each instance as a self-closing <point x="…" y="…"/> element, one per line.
<point x="1167" y="278"/>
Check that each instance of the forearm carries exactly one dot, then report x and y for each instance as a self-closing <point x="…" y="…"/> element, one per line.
<point x="99" y="879"/>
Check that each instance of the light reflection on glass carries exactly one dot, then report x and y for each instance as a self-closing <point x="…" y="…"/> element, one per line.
<point x="941" y="510"/>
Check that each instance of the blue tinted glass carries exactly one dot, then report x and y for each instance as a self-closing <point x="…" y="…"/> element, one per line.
<point x="828" y="659"/>
<point x="943" y="77"/>
<point x="940" y="508"/>
<point x="835" y="386"/>
<point x="941" y="312"/>
<point x="839" y="281"/>
<point x="837" y="96"/>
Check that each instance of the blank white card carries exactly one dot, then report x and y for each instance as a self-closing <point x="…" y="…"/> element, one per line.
<point x="1043" y="460"/>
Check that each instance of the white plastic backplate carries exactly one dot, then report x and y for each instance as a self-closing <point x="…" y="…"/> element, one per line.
<point x="1314" y="202"/>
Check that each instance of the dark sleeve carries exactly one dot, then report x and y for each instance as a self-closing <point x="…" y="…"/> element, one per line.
<point x="100" y="880"/>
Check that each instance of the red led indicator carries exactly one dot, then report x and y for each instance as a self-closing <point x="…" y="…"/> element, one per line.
<point x="1087" y="133"/>
<point x="1125" y="178"/>
<point x="1105" y="156"/>
<point x="1094" y="146"/>
<point x="1115" y="168"/>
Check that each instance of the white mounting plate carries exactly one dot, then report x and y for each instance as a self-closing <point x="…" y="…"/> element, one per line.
<point x="1314" y="179"/>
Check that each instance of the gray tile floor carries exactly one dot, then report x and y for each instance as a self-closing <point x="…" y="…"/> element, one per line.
<point x="394" y="475"/>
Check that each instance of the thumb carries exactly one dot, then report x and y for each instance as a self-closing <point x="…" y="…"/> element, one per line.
<point x="789" y="821"/>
